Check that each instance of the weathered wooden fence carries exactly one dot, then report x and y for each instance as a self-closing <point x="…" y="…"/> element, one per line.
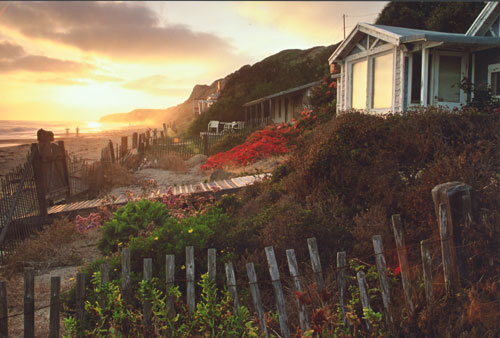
<point x="444" y="195"/>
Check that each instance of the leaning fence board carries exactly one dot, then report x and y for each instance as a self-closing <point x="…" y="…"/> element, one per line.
<point x="80" y="299"/>
<point x="341" y="266"/>
<point x="231" y="284"/>
<point x="257" y="302"/>
<point x="126" y="292"/>
<point x="403" y="260"/>
<point x="278" y="291"/>
<point x="29" y="303"/>
<point x="382" y="275"/>
<point x="170" y="277"/>
<point x="363" y="293"/>
<point x="190" y="279"/>
<point x="445" y="249"/>
<point x="294" y="272"/>
<point x="4" y="321"/>
<point x="212" y="266"/>
<point x="55" y="287"/>
<point x="425" y="251"/>
<point x="315" y="262"/>
<point x="147" y="275"/>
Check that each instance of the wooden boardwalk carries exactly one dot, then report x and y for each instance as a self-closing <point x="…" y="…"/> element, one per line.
<point x="221" y="187"/>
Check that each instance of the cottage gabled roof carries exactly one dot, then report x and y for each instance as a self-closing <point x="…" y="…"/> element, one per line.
<point x="400" y="35"/>
<point x="484" y="20"/>
<point x="288" y="91"/>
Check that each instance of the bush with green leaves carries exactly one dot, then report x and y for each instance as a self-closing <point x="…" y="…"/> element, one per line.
<point x="128" y="221"/>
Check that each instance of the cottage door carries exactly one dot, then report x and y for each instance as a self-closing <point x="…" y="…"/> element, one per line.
<point x="450" y="68"/>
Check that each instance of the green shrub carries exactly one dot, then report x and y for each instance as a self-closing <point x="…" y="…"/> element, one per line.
<point x="128" y="220"/>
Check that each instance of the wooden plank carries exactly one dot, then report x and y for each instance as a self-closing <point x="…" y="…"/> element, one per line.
<point x="341" y="282"/>
<point x="4" y="310"/>
<point x="55" y="288"/>
<point x="363" y="293"/>
<point x="126" y="287"/>
<point x="147" y="274"/>
<point x="315" y="262"/>
<point x="104" y="279"/>
<point x="29" y="303"/>
<point x="445" y="249"/>
<point x="190" y="279"/>
<point x="278" y="291"/>
<point x="403" y="260"/>
<point x="382" y="275"/>
<point x="231" y="285"/>
<point x="170" y="278"/>
<point x="211" y="264"/>
<point x="80" y="299"/>
<point x="230" y="183"/>
<point x="257" y="301"/>
<point x="294" y="272"/>
<point x="425" y="251"/>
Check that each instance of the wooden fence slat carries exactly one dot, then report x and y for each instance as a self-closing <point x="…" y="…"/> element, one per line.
<point x="4" y="310"/>
<point x="341" y="266"/>
<point x="104" y="279"/>
<point x="170" y="277"/>
<point x="278" y="291"/>
<point x="147" y="274"/>
<point x="294" y="272"/>
<point x="29" y="303"/>
<point x="231" y="284"/>
<point x="257" y="302"/>
<point x="315" y="262"/>
<point x="80" y="299"/>
<point x="363" y="293"/>
<point x="55" y="288"/>
<point x="425" y="252"/>
<point x="212" y="265"/>
<point x="445" y="249"/>
<point x="191" y="303"/>
<point x="126" y="292"/>
<point x="403" y="260"/>
<point x="382" y="275"/>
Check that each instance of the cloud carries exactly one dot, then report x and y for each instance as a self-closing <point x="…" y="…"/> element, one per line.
<point x="155" y="85"/>
<point x="119" y="30"/>
<point x="14" y="58"/>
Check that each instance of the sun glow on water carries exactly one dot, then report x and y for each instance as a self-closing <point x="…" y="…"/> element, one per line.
<point x="94" y="126"/>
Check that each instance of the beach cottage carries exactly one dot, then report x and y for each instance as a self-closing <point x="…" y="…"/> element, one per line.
<point x="385" y="68"/>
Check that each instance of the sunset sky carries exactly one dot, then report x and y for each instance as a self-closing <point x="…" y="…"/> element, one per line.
<point x="63" y="61"/>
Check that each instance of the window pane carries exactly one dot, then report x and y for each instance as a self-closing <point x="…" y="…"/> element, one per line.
<point x="359" y="80"/>
<point x="382" y="81"/>
<point x="495" y="83"/>
<point x="449" y="78"/>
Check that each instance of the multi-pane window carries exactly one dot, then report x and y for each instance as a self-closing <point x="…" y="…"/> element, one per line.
<point x="494" y="79"/>
<point x="382" y="81"/>
<point x="359" y="84"/>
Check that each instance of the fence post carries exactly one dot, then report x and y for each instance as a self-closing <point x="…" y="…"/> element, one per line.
<point x="425" y="251"/>
<point x="124" y="146"/>
<point x="231" y="284"/>
<point x="403" y="260"/>
<point x="257" y="302"/>
<point x="170" y="277"/>
<point x="41" y="189"/>
<point x="278" y="291"/>
<point x="111" y="151"/>
<point x="134" y="140"/>
<point x="65" y="168"/>
<point x="212" y="267"/>
<point x="315" y="262"/>
<point x="294" y="272"/>
<point x="146" y="275"/>
<point x="104" y="280"/>
<point x="363" y="293"/>
<point x="29" y="303"/>
<point x="80" y="299"/>
<point x="4" y="311"/>
<point x="449" y="281"/>
<point x="341" y="266"/>
<point x="190" y="279"/>
<point x="55" y="287"/>
<point x="382" y="275"/>
<point x="127" y="296"/>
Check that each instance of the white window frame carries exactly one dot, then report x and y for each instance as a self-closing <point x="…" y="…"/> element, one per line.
<point x="493" y="68"/>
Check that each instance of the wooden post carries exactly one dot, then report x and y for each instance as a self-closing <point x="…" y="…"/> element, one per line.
<point x="294" y="272"/>
<point x="363" y="293"/>
<point x="127" y="296"/>
<point x="425" y="251"/>
<point x="170" y="278"/>
<point x="29" y="303"/>
<point x="403" y="260"/>
<point x="190" y="279"/>
<point x="41" y="189"/>
<point x="341" y="266"/>
<point x="134" y="140"/>
<point x="104" y="280"/>
<point x="65" y="168"/>
<point x="111" y="151"/>
<point x="212" y="267"/>
<point x="146" y="275"/>
<point x="382" y="274"/>
<point x="4" y="311"/>
<point x="55" y="287"/>
<point x="315" y="262"/>
<point x="257" y="302"/>
<point x="124" y="144"/>
<point x="278" y="291"/>
<point x="80" y="299"/>
<point x="231" y="285"/>
<point x="446" y="251"/>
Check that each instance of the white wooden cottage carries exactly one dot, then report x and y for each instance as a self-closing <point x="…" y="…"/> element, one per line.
<point x="385" y="68"/>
